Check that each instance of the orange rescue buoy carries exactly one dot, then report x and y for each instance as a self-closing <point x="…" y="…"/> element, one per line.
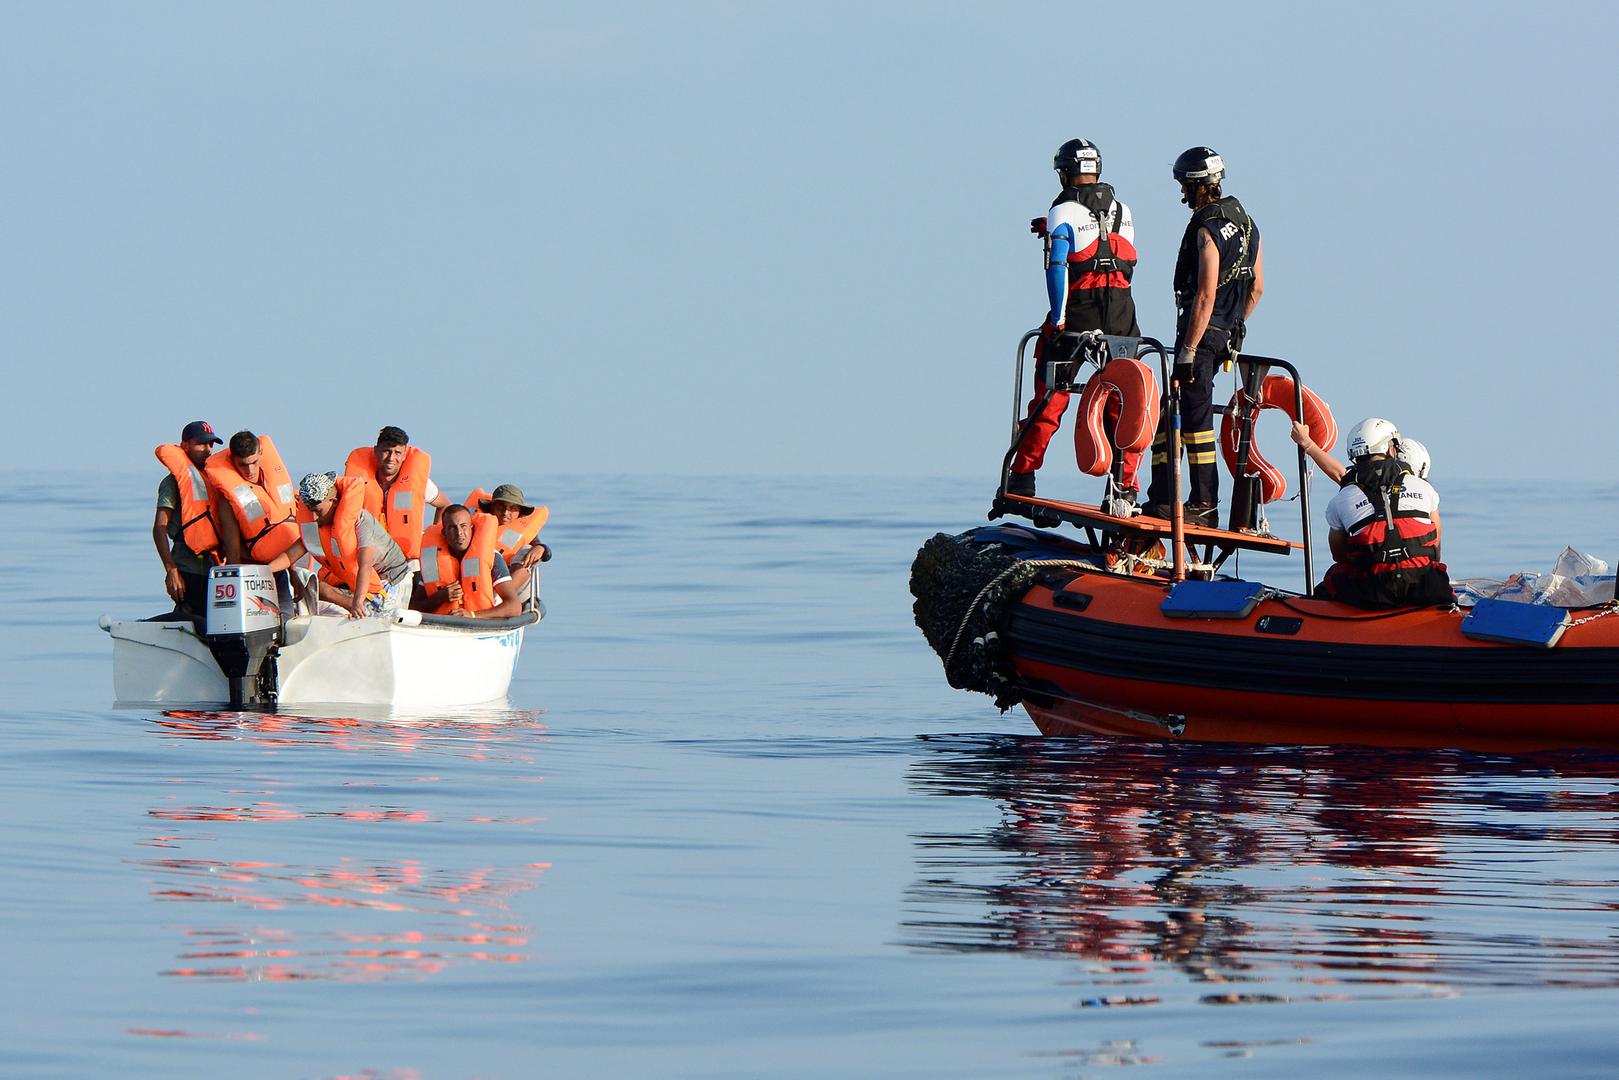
<point x="1137" y="390"/>
<point x="1276" y="393"/>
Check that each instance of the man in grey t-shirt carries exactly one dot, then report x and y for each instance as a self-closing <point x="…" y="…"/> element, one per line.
<point x="185" y="573"/>
<point x="389" y="561"/>
<point x="375" y="553"/>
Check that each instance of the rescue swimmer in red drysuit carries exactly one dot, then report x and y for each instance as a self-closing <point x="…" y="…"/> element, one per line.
<point x="1383" y="528"/>
<point x="1090" y="259"/>
<point x="1219" y="277"/>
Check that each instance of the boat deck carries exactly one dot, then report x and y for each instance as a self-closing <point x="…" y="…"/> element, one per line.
<point x="1142" y="529"/>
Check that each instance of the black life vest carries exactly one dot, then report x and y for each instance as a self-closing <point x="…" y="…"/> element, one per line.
<point x="1099" y="201"/>
<point x="1393" y="551"/>
<point x="1109" y="308"/>
<point x="1237" y="239"/>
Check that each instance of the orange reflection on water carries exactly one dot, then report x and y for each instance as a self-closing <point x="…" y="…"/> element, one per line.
<point x="351" y="920"/>
<point x="1388" y="873"/>
<point x="451" y="902"/>
<point x="477" y="736"/>
<point x="177" y="1033"/>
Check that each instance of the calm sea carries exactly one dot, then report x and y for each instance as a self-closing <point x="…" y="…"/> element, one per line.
<point x="736" y="825"/>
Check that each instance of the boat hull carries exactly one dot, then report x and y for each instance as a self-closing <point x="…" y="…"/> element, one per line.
<point x="1090" y="651"/>
<point x="324" y="660"/>
<point x="1280" y="720"/>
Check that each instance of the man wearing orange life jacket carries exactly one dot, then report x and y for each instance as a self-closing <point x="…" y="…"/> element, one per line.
<point x="462" y="571"/>
<point x="403" y="488"/>
<point x="519" y="525"/>
<point x="367" y="574"/>
<point x="253" y="499"/>
<point x="183" y="526"/>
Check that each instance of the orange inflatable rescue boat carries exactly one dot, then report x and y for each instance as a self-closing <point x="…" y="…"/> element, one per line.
<point x="1133" y="629"/>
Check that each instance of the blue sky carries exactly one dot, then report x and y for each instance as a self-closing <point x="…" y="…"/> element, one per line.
<point x="767" y="238"/>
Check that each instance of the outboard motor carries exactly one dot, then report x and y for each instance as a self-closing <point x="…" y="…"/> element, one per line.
<point x="244" y="626"/>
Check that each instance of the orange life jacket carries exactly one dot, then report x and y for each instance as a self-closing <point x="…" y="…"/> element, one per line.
<point x="474" y="570"/>
<point x="402" y="508"/>
<point x="510" y="539"/>
<point x="264" y="511"/>
<point x="337" y="546"/>
<point x="196" y="506"/>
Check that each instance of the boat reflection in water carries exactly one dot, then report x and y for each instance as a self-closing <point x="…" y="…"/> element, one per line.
<point x="1260" y="875"/>
<point x="392" y="900"/>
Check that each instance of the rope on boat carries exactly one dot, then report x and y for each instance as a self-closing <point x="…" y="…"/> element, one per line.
<point x="1127" y="564"/>
<point x="965" y="591"/>
<point x="1607" y="609"/>
<point x="1031" y="564"/>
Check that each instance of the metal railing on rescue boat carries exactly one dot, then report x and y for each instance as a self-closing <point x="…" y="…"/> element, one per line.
<point x="1097" y="349"/>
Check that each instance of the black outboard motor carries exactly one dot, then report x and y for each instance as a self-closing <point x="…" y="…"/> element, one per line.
<point x="243" y="629"/>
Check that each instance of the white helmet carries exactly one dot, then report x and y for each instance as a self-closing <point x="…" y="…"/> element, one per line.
<point x="1415" y="456"/>
<point x="1371" y="436"/>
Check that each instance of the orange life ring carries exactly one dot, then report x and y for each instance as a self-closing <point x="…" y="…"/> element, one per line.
<point x="1276" y="393"/>
<point x="1137" y="390"/>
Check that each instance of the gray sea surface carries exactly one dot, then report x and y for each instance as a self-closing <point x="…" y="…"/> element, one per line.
<point x="735" y="824"/>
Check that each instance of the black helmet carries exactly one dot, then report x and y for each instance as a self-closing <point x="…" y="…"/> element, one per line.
<point x="1199" y="165"/>
<point x="1077" y="155"/>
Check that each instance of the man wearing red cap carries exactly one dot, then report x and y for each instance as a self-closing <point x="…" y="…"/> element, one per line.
<point x="177" y="534"/>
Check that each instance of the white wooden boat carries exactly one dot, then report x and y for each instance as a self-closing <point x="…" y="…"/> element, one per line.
<point x="416" y="661"/>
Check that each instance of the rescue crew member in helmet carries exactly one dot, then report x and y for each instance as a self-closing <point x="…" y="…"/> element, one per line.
<point x="1414" y="454"/>
<point x="183" y="528"/>
<point x="1090" y="259"/>
<point x="1219" y="278"/>
<point x="1383" y="528"/>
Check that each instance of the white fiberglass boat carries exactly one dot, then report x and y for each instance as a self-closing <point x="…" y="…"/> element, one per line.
<point x="250" y="654"/>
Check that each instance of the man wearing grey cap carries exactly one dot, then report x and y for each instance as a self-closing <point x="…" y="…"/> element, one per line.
<point x="175" y="531"/>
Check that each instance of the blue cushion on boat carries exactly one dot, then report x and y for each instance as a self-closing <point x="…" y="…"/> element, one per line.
<point x="1515" y="624"/>
<point x="1212" y="599"/>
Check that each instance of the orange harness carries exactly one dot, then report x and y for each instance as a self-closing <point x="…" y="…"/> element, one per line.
<point x="196" y="507"/>
<point x="337" y="546"/>
<point x="511" y="539"/>
<point x="474" y="570"/>
<point x="263" y="510"/>
<point x="1276" y="393"/>
<point x="402" y="507"/>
